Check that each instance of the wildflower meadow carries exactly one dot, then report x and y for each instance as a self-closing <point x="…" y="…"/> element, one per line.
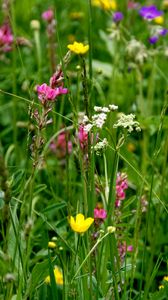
<point x="83" y="150"/>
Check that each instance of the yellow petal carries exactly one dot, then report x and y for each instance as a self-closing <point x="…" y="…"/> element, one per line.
<point x="79" y="218"/>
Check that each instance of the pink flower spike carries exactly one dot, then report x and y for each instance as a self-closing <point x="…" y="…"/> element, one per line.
<point x="100" y="213"/>
<point x="6" y="38"/>
<point x="83" y="137"/>
<point x="48" y="15"/>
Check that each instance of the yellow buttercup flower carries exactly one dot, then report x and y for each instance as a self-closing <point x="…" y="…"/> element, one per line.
<point x="80" y="224"/>
<point x="58" y="277"/>
<point x="52" y="245"/>
<point x="161" y="286"/>
<point x="78" y="48"/>
<point x="165" y="278"/>
<point x="159" y="20"/>
<point x="105" y="4"/>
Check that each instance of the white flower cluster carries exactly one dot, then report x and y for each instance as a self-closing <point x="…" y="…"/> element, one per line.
<point x="137" y="51"/>
<point x="128" y="122"/>
<point x="99" y="118"/>
<point x="101" y="146"/>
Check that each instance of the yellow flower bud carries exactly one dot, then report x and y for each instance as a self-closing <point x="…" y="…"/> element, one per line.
<point x="111" y="229"/>
<point x="51" y="245"/>
<point x="35" y="24"/>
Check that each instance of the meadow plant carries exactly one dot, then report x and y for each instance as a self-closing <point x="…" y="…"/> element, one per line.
<point x="83" y="150"/>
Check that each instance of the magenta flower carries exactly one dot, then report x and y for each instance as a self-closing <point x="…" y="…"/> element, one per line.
<point x="6" y="38"/>
<point x="130" y="248"/>
<point x="45" y="92"/>
<point x="100" y="213"/>
<point x="48" y="15"/>
<point x="121" y="186"/>
<point x="62" y="145"/>
<point x="117" y="16"/>
<point x="150" y="12"/>
<point x="83" y="137"/>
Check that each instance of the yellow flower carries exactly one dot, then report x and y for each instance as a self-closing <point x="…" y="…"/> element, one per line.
<point x="80" y="224"/>
<point x="78" y="48"/>
<point x="161" y="286"/>
<point x="165" y="278"/>
<point x="105" y="4"/>
<point x="58" y="277"/>
<point x="51" y="245"/>
<point x="159" y="20"/>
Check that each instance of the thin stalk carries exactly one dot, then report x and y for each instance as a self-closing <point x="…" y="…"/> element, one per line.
<point x="90" y="252"/>
<point x="90" y="23"/>
<point x="112" y="188"/>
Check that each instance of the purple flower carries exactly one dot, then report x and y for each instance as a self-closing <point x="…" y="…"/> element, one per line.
<point x="153" y="39"/>
<point x="150" y="12"/>
<point x="117" y="16"/>
<point x="163" y="31"/>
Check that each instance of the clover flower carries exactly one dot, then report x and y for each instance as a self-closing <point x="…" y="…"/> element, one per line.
<point x="78" y="48"/>
<point x="80" y="224"/>
<point x="127" y="122"/>
<point x="105" y="4"/>
<point x="58" y="277"/>
<point x="150" y="12"/>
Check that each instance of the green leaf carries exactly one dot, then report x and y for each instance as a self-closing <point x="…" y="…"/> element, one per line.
<point x="55" y="207"/>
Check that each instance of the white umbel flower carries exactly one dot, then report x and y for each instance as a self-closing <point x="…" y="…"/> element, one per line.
<point x="127" y="122"/>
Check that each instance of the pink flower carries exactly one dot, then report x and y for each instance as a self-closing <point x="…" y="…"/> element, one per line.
<point x="100" y="213"/>
<point x="130" y="248"/>
<point x="6" y="38"/>
<point x="62" y="145"/>
<point x="83" y="137"/>
<point x="121" y="185"/>
<point x="45" y="92"/>
<point x="48" y="15"/>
